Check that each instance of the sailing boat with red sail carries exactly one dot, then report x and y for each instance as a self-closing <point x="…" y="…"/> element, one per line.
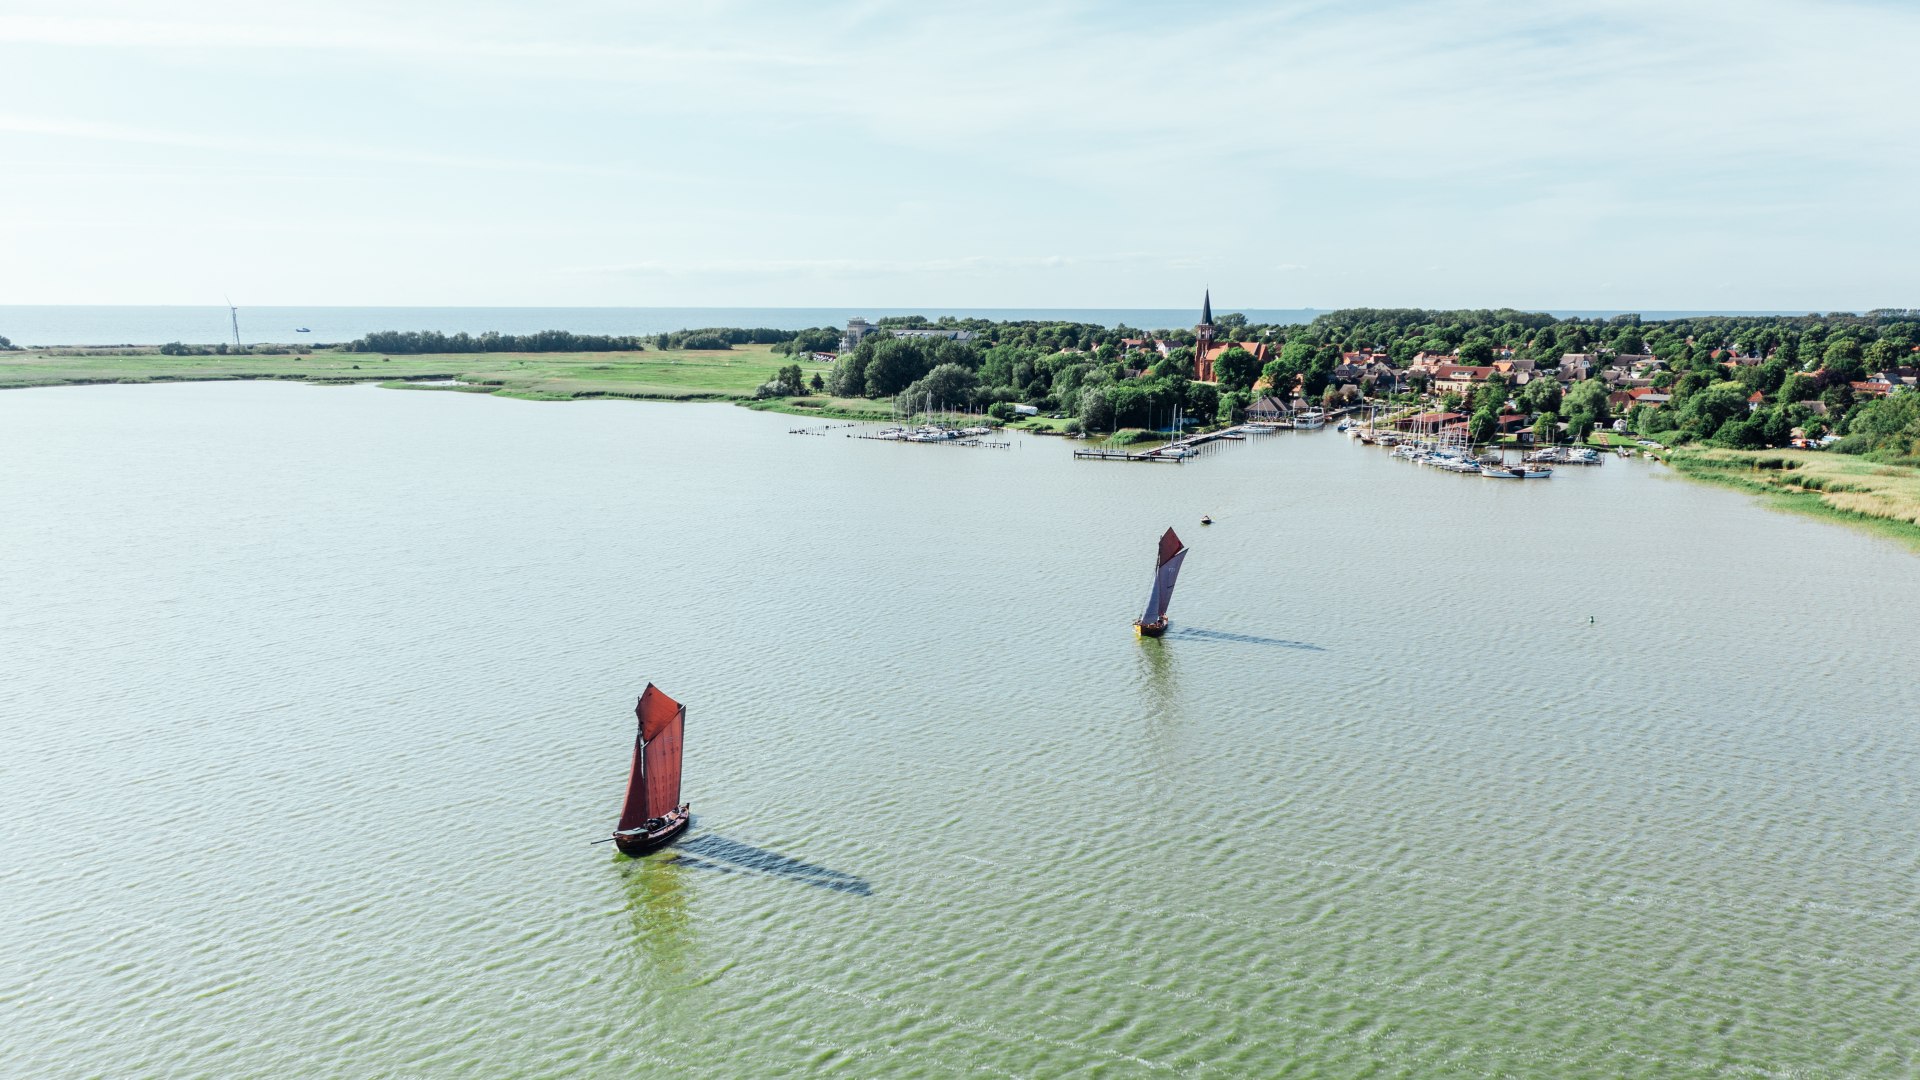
<point x="654" y="815"/>
<point x="1166" y="568"/>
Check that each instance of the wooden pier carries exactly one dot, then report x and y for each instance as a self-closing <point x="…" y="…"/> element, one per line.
<point x="1177" y="451"/>
<point x="1098" y="454"/>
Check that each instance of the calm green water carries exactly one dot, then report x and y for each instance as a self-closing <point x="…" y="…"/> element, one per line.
<point x="313" y="698"/>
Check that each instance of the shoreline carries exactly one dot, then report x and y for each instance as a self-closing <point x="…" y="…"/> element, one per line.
<point x="1836" y="488"/>
<point x="733" y="374"/>
<point x="1880" y="499"/>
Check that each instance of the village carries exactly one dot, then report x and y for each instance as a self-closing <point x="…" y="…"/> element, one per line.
<point x="1467" y="395"/>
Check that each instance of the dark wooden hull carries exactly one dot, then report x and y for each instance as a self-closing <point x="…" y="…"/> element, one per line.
<point x="634" y="845"/>
<point x="1150" y="629"/>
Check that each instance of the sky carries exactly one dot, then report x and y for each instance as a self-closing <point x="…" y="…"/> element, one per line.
<point x="1593" y="154"/>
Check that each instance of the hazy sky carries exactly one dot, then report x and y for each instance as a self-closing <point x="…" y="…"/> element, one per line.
<point x="1758" y="154"/>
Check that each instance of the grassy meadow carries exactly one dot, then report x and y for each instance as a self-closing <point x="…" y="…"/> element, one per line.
<point x="1880" y="497"/>
<point x="672" y="375"/>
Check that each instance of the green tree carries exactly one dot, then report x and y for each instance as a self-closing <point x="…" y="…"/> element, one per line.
<point x="1235" y="369"/>
<point x="1797" y="387"/>
<point x="1490" y="395"/>
<point x="789" y="381"/>
<point x="817" y="383"/>
<point x="1842" y="360"/>
<point x="1476" y="351"/>
<point x="895" y="364"/>
<point x="1233" y="405"/>
<point x="1482" y="426"/>
<point x="1705" y="412"/>
<point x="1742" y="433"/>
<point x="949" y="386"/>
<point x="1588" y="396"/>
<point x="1096" y="409"/>
<point x="1202" y="400"/>
<point x="1171" y="365"/>
<point x="1540" y="395"/>
<point x="1546" y="428"/>
<point x="1779" y="426"/>
<point x="1890" y="424"/>
<point x="1579" y="426"/>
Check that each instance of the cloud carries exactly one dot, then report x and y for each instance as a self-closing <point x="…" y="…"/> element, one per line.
<point x="247" y="32"/>
<point x="1537" y="151"/>
<point x="971" y="265"/>
<point x="311" y="150"/>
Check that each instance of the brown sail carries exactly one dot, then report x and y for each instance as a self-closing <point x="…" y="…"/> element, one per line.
<point x="662" y="756"/>
<point x="1166" y="570"/>
<point x="653" y="814"/>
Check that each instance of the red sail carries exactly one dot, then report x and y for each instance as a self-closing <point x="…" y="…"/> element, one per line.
<point x="663" y="766"/>
<point x="1170" y="546"/>
<point x="654" y="710"/>
<point x="657" y="712"/>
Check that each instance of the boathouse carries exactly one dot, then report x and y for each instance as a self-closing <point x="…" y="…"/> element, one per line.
<point x="1269" y="410"/>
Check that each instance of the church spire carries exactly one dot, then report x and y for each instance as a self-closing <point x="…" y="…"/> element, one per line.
<point x="1206" y="309"/>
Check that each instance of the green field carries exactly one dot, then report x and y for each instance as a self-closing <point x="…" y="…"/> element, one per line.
<point x="1882" y="498"/>
<point x="686" y="375"/>
<point x="832" y="408"/>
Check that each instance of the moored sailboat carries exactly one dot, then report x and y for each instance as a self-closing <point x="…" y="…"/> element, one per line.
<point x="653" y="815"/>
<point x="1166" y="569"/>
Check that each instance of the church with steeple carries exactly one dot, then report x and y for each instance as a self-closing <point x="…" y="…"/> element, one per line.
<point x="1206" y="350"/>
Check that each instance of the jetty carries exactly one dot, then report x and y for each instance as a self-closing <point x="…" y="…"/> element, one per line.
<point x="1177" y="451"/>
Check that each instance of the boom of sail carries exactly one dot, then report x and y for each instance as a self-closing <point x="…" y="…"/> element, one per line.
<point x="1166" y="571"/>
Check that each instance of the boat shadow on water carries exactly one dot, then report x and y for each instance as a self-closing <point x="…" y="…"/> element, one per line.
<point x="727" y="856"/>
<point x="1197" y="634"/>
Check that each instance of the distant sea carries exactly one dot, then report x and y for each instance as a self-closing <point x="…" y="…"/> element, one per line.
<point x="128" y="325"/>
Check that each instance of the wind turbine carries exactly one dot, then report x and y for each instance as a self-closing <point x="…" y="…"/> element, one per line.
<point x="234" y="314"/>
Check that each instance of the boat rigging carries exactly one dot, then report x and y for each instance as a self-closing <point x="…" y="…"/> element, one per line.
<point x="653" y="815"/>
<point x="1166" y="569"/>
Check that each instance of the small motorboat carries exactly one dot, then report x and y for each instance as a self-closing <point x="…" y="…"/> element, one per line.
<point x="1166" y="569"/>
<point x="1206" y="519"/>
<point x="301" y="330"/>
<point x="653" y="815"/>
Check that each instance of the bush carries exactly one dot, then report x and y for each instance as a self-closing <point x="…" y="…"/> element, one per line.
<point x="1000" y="410"/>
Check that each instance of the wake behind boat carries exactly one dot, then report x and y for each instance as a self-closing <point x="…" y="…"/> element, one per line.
<point x="653" y="815"/>
<point x="1166" y="569"/>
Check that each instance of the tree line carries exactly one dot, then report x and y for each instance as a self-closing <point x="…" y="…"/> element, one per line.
<point x="402" y="342"/>
<point x="724" y="337"/>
